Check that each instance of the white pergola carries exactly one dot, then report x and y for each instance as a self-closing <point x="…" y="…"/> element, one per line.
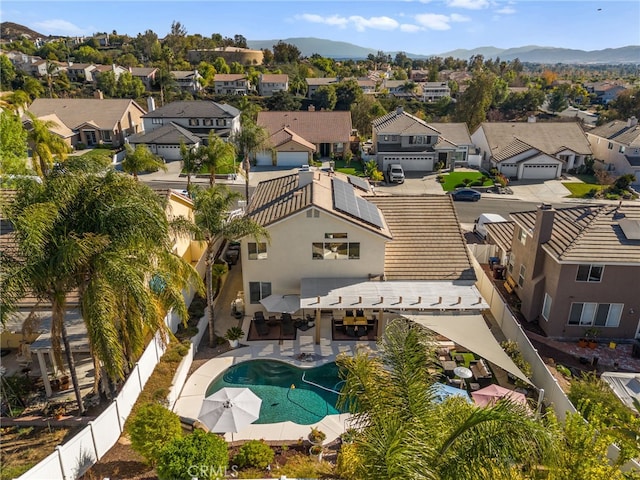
<point x="398" y="295"/>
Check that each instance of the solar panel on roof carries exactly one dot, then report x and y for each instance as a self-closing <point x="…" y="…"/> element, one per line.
<point x="361" y="183"/>
<point x="347" y="201"/>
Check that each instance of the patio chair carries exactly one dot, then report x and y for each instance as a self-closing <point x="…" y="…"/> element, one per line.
<point x="259" y="314"/>
<point x="288" y="327"/>
<point x="261" y="326"/>
<point x="350" y="330"/>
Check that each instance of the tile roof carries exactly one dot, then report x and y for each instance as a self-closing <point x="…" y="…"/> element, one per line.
<point x="549" y="138"/>
<point x="589" y="234"/>
<point x="315" y="127"/>
<point x="285" y="135"/>
<point x="194" y="108"/>
<point x="169" y="134"/>
<point x="427" y="241"/>
<point x="501" y="233"/>
<point x="279" y="198"/>
<point x="73" y="112"/>
<point x="274" y="77"/>
<point x="456" y="133"/>
<point x="400" y="122"/>
<point x="510" y="150"/>
<point x="620" y="131"/>
<point x="229" y="77"/>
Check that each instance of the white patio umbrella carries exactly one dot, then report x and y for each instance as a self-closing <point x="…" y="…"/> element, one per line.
<point x="230" y="409"/>
<point x="281" y="303"/>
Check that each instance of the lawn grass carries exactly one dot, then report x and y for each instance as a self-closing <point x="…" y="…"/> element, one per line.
<point x="224" y="168"/>
<point x="580" y="190"/>
<point x="355" y="167"/>
<point x="455" y="178"/>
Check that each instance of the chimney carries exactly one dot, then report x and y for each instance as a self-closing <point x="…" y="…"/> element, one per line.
<point x="312" y="108"/>
<point x="399" y="110"/>
<point x="544" y="224"/>
<point x="305" y="176"/>
<point x="151" y="104"/>
<point x="98" y="94"/>
<point x="632" y="122"/>
<point x="531" y="119"/>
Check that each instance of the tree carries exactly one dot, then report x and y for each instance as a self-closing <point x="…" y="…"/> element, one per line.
<point x="348" y="92"/>
<point x="474" y="103"/>
<point x="129" y="86"/>
<point x="557" y="100"/>
<point x="13" y="144"/>
<point x="151" y="428"/>
<point x="325" y="97"/>
<point x="8" y="73"/>
<point x="251" y="138"/>
<point x="211" y="207"/>
<point x="141" y="159"/>
<point x="282" y="101"/>
<point x="403" y="432"/>
<point x="285" y="53"/>
<point x="191" y="161"/>
<point x="45" y="144"/>
<point x="106" y="237"/>
<point x="106" y="83"/>
<point x="200" y="455"/>
<point x="364" y="112"/>
<point x="217" y="153"/>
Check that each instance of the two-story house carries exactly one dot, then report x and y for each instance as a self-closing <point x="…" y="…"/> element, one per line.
<point x="617" y="144"/>
<point x="434" y="91"/>
<point x="147" y="75"/>
<point x="93" y="121"/>
<point x="189" y="80"/>
<point x="399" y="137"/>
<point x="231" y="84"/>
<point x="294" y="137"/>
<point x="355" y="250"/>
<point x="531" y="150"/>
<point x="270" y="83"/>
<point x="605" y="92"/>
<point x="80" y="72"/>
<point x="577" y="268"/>
<point x="188" y="122"/>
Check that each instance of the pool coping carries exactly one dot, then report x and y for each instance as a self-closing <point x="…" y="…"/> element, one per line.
<point x="194" y="390"/>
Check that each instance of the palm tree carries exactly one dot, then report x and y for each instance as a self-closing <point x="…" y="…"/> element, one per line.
<point x="106" y="237"/>
<point x="45" y="144"/>
<point x="141" y="160"/>
<point x="251" y="139"/>
<point x="217" y="153"/>
<point x="404" y="433"/>
<point x="191" y="161"/>
<point x="213" y="225"/>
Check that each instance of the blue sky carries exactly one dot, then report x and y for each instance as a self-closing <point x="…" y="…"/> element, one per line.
<point x="420" y="26"/>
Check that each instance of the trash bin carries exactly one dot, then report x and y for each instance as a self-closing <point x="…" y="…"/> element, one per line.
<point x="498" y="272"/>
<point x="493" y="261"/>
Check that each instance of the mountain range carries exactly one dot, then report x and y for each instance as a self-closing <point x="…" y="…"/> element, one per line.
<point x="531" y="53"/>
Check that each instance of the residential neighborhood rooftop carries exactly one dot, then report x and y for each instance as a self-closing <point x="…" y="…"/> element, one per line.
<point x="315" y="126"/>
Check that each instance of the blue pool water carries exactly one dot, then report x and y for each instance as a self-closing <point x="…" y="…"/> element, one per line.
<point x="271" y="380"/>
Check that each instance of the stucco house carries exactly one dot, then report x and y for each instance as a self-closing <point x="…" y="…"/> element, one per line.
<point x="197" y="116"/>
<point x="617" y="144"/>
<point x="270" y="83"/>
<point x="147" y="75"/>
<point x="166" y="140"/>
<point x="399" y="137"/>
<point x="231" y="84"/>
<point x="576" y="268"/>
<point x="434" y="91"/>
<point x="531" y="150"/>
<point x="94" y="121"/>
<point x="295" y="136"/>
<point x="354" y="249"/>
<point x="189" y="80"/>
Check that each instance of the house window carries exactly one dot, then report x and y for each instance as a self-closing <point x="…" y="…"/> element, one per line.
<point x="194" y="122"/>
<point x="257" y="251"/>
<point x="546" y="307"/>
<point x="599" y="314"/>
<point x="335" y="251"/>
<point x="521" y="275"/>
<point x="156" y="121"/>
<point x="510" y="264"/>
<point x="621" y="149"/>
<point x="258" y="291"/>
<point x="522" y="236"/>
<point x="221" y="122"/>
<point x="610" y="146"/>
<point x="335" y="235"/>
<point x="207" y="122"/>
<point x="589" y="273"/>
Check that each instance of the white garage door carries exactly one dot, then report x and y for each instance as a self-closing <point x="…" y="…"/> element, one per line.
<point x="292" y="159"/>
<point x="539" y="171"/>
<point x="169" y="152"/>
<point x="263" y="159"/>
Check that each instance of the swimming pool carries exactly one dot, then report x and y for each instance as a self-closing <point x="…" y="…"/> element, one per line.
<point x="272" y="381"/>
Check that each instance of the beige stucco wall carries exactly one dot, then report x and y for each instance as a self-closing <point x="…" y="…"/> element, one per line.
<point x="289" y="254"/>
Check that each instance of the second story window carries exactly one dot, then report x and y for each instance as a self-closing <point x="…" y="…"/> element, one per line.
<point x="335" y="251"/>
<point x="523" y="236"/>
<point x="523" y="269"/>
<point x="589" y="273"/>
<point x="207" y="122"/>
<point x="193" y="122"/>
<point x="257" y="251"/>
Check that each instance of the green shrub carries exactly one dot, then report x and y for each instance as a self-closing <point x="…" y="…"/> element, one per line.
<point x="198" y="455"/>
<point x="254" y="453"/>
<point x="512" y="349"/>
<point x="563" y="370"/>
<point x="151" y="428"/>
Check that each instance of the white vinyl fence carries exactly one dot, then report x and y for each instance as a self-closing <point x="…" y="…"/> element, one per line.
<point x="75" y="457"/>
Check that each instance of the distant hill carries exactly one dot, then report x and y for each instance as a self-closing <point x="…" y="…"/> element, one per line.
<point x="531" y="53"/>
<point x="13" y="31"/>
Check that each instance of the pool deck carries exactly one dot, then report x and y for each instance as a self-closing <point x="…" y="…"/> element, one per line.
<point x="302" y="353"/>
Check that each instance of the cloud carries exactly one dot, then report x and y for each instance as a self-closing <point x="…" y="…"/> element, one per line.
<point x="468" y="4"/>
<point x="506" y="11"/>
<point x="356" y="21"/>
<point x="409" y="28"/>
<point x="433" y="21"/>
<point x="60" y="27"/>
<point x="455" y="17"/>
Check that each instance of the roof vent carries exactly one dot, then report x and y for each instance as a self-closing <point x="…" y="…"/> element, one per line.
<point x="630" y="228"/>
